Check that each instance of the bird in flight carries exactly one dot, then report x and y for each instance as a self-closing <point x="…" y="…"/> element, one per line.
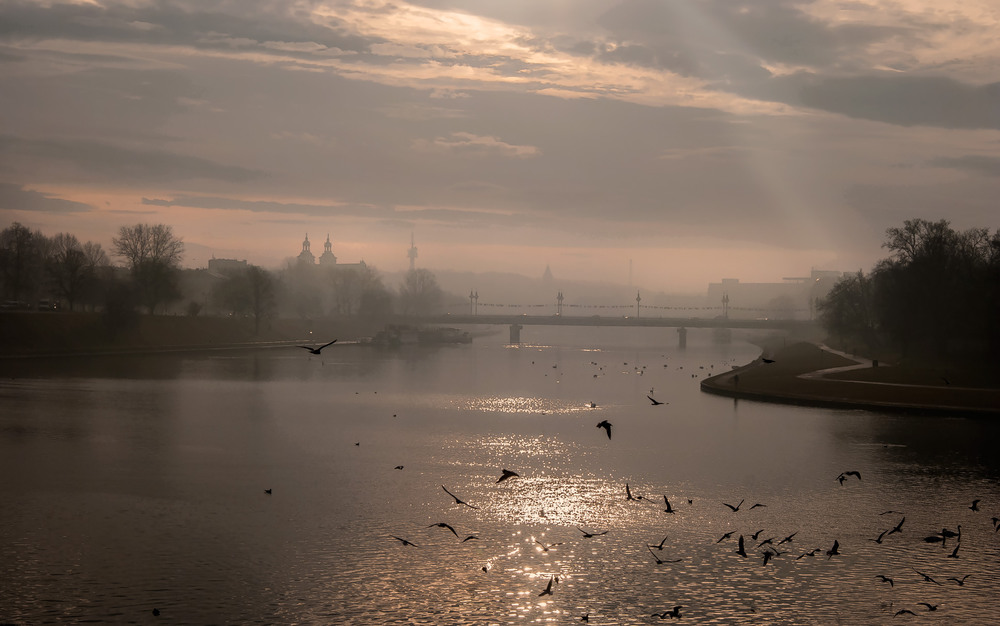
<point x="834" y="550"/>
<point x="319" y="349"/>
<point x="885" y="579"/>
<point x="587" y="535"/>
<point x="507" y="474"/>
<point x="975" y="505"/>
<point x="768" y="555"/>
<point x="899" y="527"/>
<point x="788" y="539"/>
<point x="457" y="499"/>
<point x="654" y="401"/>
<point x="267" y="491"/>
<point x="768" y="361"/>
<point x="548" y="588"/>
<point x="469" y="537"/>
<point x="735" y="508"/>
<point x="883" y="534"/>
<point x="669" y="508"/>
<point x="723" y="537"/>
<point x="756" y="535"/>
<point x="399" y="467"/>
<point x="757" y="505"/>
<point x="926" y="577"/>
<point x="545" y="548"/>
<point x="606" y="425"/>
<point x="628" y="493"/>
<point x="660" y="546"/>
<point x="843" y="475"/>
<point x="404" y="541"/>
<point x="903" y="612"/>
<point x="960" y="581"/>
<point x="930" y="607"/>
<point x="658" y="560"/>
<point x="443" y="525"/>
<point x="741" y="550"/>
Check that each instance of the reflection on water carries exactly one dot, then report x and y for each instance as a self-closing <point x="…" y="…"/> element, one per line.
<point x="138" y="482"/>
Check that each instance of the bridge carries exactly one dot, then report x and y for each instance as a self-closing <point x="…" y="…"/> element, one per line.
<point x="516" y="322"/>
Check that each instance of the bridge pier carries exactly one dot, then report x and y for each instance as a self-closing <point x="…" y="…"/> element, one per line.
<point x="682" y="337"/>
<point x="515" y="333"/>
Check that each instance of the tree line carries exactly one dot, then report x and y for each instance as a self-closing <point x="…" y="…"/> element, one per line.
<point x="60" y="269"/>
<point x="937" y="295"/>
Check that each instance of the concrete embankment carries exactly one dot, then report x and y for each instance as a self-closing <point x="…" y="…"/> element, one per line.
<point x="808" y="375"/>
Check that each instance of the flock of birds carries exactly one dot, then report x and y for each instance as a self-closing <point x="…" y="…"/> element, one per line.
<point x="745" y="545"/>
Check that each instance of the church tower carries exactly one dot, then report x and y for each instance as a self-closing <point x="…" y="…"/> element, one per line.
<point x="328" y="258"/>
<point x="306" y="257"/>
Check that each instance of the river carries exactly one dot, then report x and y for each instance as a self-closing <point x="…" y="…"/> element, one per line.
<point x="138" y="482"/>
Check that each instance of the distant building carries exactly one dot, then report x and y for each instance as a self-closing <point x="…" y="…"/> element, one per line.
<point x="412" y="253"/>
<point x="795" y="298"/>
<point x="223" y="267"/>
<point x="327" y="259"/>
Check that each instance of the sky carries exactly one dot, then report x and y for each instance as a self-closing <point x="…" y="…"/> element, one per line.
<point x="670" y="143"/>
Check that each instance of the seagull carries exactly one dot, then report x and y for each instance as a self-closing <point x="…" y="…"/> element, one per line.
<point x="658" y="560"/>
<point x="788" y="539"/>
<point x="267" y="491"/>
<point x="768" y="541"/>
<point x="469" y="537"/>
<point x="741" y="551"/>
<point x="726" y="536"/>
<point x="507" y="474"/>
<point x="399" y="467"/>
<point x="585" y="617"/>
<point x="903" y="611"/>
<point x="404" y="541"/>
<point x="587" y="535"/>
<point x="548" y="588"/>
<point x="879" y="540"/>
<point x="319" y="349"/>
<point x="834" y="550"/>
<point x="443" y="525"/>
<point x="885" y="579"/>
<point x="156" y="612"/>
<point x="672" y="613"/>
<point x="960" y="581"/>
<point x="899" y="527"/>
<point x="926" y="577"/>
<point x="545" y="548"/>
<point x="757" y="505"/>
<point x="768" y="554"/>
<point x="975" y="505"/>
<point x="810" y="553"/>
<point x="628" y="494"/>
<point x="654" y="401"/>
<point x="457" y="499"/>
<point x="735" y="508"/>
<point x="843" y="475"/>
<point x="756" y="534"/>
<point x="669" y="508"/>
<point x="606" y="425"/>
<point x="930" y="607"/>
<point x="660" y="547"/>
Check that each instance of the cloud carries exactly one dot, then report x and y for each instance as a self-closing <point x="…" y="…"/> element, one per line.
<point x="468" y="144"/>
<point x="973" y="163"/>
<point x="17" y="198"/>
<point x="94" y="161"/>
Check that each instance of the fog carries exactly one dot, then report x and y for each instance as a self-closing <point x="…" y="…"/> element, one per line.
<point x="665" y="146"/>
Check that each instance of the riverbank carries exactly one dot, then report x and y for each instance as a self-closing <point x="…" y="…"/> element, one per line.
<point x="27" y="334"/>
<point x="809" y="375"/>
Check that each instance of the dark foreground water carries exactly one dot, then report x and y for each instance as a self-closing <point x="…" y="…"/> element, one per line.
<point x="136" y="483"/>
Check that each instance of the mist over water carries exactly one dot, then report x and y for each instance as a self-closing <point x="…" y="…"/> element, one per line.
<point x="138" y="482"/>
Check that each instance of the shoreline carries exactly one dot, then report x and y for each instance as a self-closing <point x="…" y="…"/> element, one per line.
<point x="807" y="374"/>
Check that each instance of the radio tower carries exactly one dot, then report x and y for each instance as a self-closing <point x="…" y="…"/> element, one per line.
<point x="412" y="253"/>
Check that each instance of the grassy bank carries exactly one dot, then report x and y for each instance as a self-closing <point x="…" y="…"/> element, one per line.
<point x="37" y="334"/>
<point x="884" y="387"/>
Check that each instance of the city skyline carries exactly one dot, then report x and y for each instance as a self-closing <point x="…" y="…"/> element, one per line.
<point x="679" y="143"/>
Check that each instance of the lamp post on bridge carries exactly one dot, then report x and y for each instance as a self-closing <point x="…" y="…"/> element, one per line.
<point x="559" y="300"/>
<point x="474" y="302"/>
<point x="638" y="299"/>
<point x="725" y="305"/>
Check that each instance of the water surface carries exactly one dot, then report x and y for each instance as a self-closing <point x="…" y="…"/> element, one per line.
<point x="138" y="482"/>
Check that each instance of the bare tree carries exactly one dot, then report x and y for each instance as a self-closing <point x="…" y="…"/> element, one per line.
<point x="153" y="255"/>
<point x="21" y="261"/>
<point x="420" y="294"/>
<point x="68" y="268"/>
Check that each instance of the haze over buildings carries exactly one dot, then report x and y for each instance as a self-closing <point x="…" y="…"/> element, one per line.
<point x="669" y="144"/>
